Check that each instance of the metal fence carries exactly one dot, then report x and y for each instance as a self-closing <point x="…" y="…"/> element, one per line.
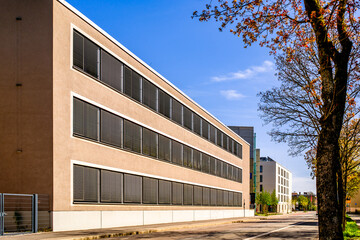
<point x="24" y="213"/>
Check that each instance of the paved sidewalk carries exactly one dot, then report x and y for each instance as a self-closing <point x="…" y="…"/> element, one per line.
<point x="125" y="231"/>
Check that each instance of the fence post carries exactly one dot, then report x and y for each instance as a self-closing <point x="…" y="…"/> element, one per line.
<point x="1" y="214"/>
<point x="35" y="213"/>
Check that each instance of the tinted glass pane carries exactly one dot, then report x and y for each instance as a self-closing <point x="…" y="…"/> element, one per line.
<point x="188" y="194"/>
<point x="212" y="134"/>
<point x="197" y="159"/>
<point x="149" y="146"/>
<point x="149" y="94"/>
<point x="91" y="121"/>
<point x="85" y="184"/>
<point x="231" y="199"/>
<point x="198" y="194"/>
<point x="239" y="151"/>
<point x="187" y="156"/>
<point x="164" y="148"/>
<point x="176" y="153"/>
<point x="164" y="104"/>
<point x="78" y="117"/>
<point x="164" y="192"/>
<point x="226" y="198"/>
<point x="240" y="176"/>
<point x="205" y="163"/>
<point x="219" y="197"/>
<point x="219" y="137"/>
<point x="78" y="50"/>
<point x="240" y="197"/>
<point x="132" y="136"/>
<point x="225" y="141"/>
<point x="235" y="150"/>
<point x="111" y="70"/>
<point x="91" y="58"/>
<point x="111" y="186"/>
<point x="218" y="168"/>
<point x="231" y="145"/>
<point x="224" y="170"/>
<point x="132" y="188"/>
<point x="110" y="128"/>
<point x="206" y="196"/>
<point x="236" y="199"/>
<point x="197" y="124"/>
<point x="150" y="190"/>
<point x="127" y="81"/>
<point x="213" y="195"/>
<point x="176" y="111"/>
<point x="177" y="193"/>
<point x="136" y="83"/>
<point x="212" y="166"/>
<point x="187" y="118"/>
<point x="205" y="129"/>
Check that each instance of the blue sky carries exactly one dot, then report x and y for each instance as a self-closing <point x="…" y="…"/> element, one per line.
<point x="211" y="67"/>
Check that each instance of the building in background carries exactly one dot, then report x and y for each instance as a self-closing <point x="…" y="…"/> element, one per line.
<point x="249" y="135"/>
<point x="106" y="137"/>
<point x="272" y="176"/>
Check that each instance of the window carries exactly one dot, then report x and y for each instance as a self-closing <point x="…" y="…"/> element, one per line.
<point x="187" y="118"/>
<point x="240" y="176"/>
<point x="164" y="192"/>
<point x="213" y="194"/>
<point x="219" y="197"/>
<point x="85" y="184"/>
<point x="261" y="168"/>
<point x="187" y="156"/>
<point x="235" y="150"/>
<point x="224" y="169"/>
<point x="164" y="148"/>
<point x="176" y="153"/>
<point x="110" y="129"/>
<point x="149" y="146"/>
<point x="86" y="55"/>
<point x="219" y="138"/>
<point x="176" y="113"/>
<point x="239" y="153"/>
<point x="177" y="193"/>
<point x="197" y="159"/>
<point x="132" y="136"/>
<point x="206" y="196"/>
<point x="261" y="187"/>
<point x="188" y="194"/>
<point x="261" y="178"/>
<point x="132" y="83"/>
<point x="225" y="141"/>
<point x="230" y="173"/>
<point x="205" y="129"/>
<point x="231" y="198"/>
<point x="236" y="199"/>
<point x="212" y="134"/>
<point x="198" y="195"/>
<point x="218" y="168"/>
<point x="85" y="119"/>
<point x="231" y="145"/>
<point x="149" y="94"/>
<point x="226" y="198"/>
<point x="111" y="71"/>
<point x="150" y="190"/>
<point x="132" y="188"/>
<point x="205" y="164"/>
<point x="197" y="124"/>
<point x="164" y="104"/>
<point x="111" y="186"/>
<point x="212" y="166"/>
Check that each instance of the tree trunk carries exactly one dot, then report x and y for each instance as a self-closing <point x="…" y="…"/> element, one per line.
<point x="341" y="194"/>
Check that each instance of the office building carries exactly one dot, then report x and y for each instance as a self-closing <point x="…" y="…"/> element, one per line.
<point x="273" y="176"/>
<point x="106" y="137"/>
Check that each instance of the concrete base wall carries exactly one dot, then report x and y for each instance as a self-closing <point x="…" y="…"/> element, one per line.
<point x="79" y="220"/>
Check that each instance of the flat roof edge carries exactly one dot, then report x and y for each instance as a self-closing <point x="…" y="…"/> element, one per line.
<point x="94" y="25"/>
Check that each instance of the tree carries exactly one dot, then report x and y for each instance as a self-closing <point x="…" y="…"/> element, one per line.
<point x="294" y="200"/>
<point x="263" y="199"/>
<point x="288" y="26"/>
<point x="274" y="201"/>
<point x="303" y="202"/>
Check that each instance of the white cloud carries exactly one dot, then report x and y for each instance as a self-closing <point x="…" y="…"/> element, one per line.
<point x="267" y="66"/>
<point x="231" y="94"/>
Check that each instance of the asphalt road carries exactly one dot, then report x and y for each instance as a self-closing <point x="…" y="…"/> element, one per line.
<point x="301" y="226"/>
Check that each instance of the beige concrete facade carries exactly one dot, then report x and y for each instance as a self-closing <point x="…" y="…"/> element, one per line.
<point x="37" y="88"/>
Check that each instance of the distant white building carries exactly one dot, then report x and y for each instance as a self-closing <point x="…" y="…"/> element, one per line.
<point x="273" y="176"/>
